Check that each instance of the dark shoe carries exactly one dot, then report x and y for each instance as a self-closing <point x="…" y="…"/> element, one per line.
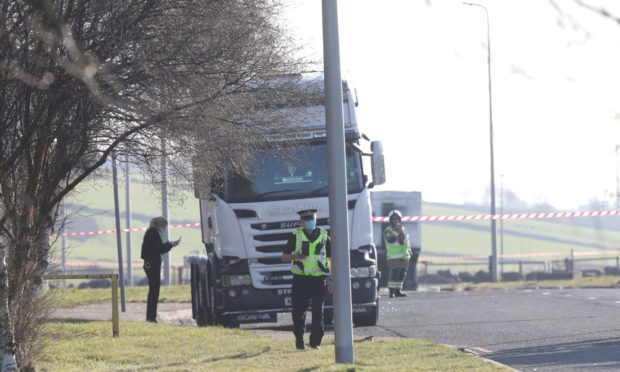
<point x="315" y="347"/>
<point x="391" y="293"/>
<point x="151" y="320"/>
<point x="400" y="294"/>
<point x="299" y="344"/>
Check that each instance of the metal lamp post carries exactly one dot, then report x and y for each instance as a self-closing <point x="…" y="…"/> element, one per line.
<point x="493" y="263"/>
<point x="336" y="155"/>
<point x="501" y="222"/>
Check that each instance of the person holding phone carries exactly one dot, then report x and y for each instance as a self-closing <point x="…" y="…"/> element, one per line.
<point x="154" y="246"/>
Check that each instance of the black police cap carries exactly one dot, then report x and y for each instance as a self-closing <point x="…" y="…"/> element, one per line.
<point x="307" y="213"/>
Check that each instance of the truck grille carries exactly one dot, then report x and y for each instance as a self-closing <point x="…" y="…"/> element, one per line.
<point x="276" y="248"/>
<point x="270" y="261"/>
<point x="285" y="225"/>
<point x="277" y="277"/>
<point x="271" y="237"/>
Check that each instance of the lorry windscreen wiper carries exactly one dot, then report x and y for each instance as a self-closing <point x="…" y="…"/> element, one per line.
<point x="319" y="190"/>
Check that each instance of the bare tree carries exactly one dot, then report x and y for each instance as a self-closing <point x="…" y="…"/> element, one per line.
<point x="80" y="79"/>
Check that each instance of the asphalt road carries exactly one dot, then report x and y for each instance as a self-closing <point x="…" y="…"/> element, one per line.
<point x="529" y="330"/>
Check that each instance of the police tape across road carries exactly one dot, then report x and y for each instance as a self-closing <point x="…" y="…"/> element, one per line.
<point x="440" y="218"/>
<point x="134" y="229"/>
<point x="510" y="216"/>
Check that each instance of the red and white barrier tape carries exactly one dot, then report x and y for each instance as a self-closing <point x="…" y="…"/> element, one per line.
<point x="445" y="218"/>
<point x="510" y="216"/>
<point x="135" y="229"/>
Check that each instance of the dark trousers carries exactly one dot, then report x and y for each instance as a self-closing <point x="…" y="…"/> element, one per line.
<point x="153" y="274"/>
<point x="308" y="290"/>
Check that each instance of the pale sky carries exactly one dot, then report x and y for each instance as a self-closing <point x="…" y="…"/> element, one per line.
<point x="421" y="76"/>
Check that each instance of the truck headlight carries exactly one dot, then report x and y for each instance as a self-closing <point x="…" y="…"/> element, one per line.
<point x="236" y="280"/>
<point x="363" y="272"/>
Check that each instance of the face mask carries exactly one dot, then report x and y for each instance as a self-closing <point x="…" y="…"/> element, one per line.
<point x="310" y="225"/>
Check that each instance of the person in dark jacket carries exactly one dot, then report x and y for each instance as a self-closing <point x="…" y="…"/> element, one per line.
<point x="154" y="246"/>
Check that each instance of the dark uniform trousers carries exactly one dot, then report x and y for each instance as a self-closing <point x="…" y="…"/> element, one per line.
<point x="308" y="290"/>
<point x="153" y="274"/>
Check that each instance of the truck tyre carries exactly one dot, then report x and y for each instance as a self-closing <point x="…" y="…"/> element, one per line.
<point x="194" y="288"/>
<point x="207" y="299"/>
<point x="215" y="316"/>
<point x="368" y="319"/>
<point x="201" y="315"/>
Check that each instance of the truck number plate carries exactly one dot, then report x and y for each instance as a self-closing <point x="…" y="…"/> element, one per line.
<point x="257" y="318"/>
<point x="288" y="301"/>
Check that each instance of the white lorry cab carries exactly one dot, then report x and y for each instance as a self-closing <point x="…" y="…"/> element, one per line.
<point x="246" y="221"/>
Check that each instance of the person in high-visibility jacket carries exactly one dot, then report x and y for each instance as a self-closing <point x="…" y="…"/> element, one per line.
<point x="308" y="250"/>
<point x="398" y="253"/>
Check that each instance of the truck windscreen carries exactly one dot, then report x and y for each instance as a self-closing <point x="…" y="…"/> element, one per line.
<point x="302" y="174"/>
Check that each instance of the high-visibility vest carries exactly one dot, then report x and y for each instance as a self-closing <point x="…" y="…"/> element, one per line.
<point x="396" y="250"/>
<point x="315" y="263"/>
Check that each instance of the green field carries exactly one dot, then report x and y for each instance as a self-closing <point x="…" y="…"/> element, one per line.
<point x="92" y="208"/>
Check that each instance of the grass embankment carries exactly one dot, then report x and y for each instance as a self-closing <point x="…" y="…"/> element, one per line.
<point x="80" y="346"/>
<point x="71" y="297"/>
<point x="601" y="281"/>
<point x="88" y="345"/>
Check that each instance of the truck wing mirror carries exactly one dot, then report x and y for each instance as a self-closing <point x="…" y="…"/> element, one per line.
<point x="377" y="163"/>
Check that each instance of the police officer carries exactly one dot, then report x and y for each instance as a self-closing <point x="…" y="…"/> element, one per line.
<point x="398" y="251"/>
<point x="308" y="249"/>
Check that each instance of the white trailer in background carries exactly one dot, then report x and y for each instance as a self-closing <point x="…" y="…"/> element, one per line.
<point x="409" y="203"/>
<point x="247" y="220"/>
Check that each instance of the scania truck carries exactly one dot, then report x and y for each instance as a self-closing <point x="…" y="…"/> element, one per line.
<point x="246" y="220"/>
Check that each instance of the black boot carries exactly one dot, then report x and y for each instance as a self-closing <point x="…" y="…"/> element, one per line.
<point x="398" y="293"/>
<point x="299" y="343"/>
<point x="391" y="293"/>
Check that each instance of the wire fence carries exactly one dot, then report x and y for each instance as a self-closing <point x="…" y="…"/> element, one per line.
<point x="522" y="269"/>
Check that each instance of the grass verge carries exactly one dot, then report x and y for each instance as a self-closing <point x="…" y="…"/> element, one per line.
<point x="601" y="281"/>
<point x="71" y="297"/>
<point x="88" y="345"/>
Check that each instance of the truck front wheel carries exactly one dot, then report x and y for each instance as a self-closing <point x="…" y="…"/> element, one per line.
<point x="202" y="316"/>
<point x="194" y="288"/>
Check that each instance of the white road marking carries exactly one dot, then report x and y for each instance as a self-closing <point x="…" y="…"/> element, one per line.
<point x="483" y="350"/>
